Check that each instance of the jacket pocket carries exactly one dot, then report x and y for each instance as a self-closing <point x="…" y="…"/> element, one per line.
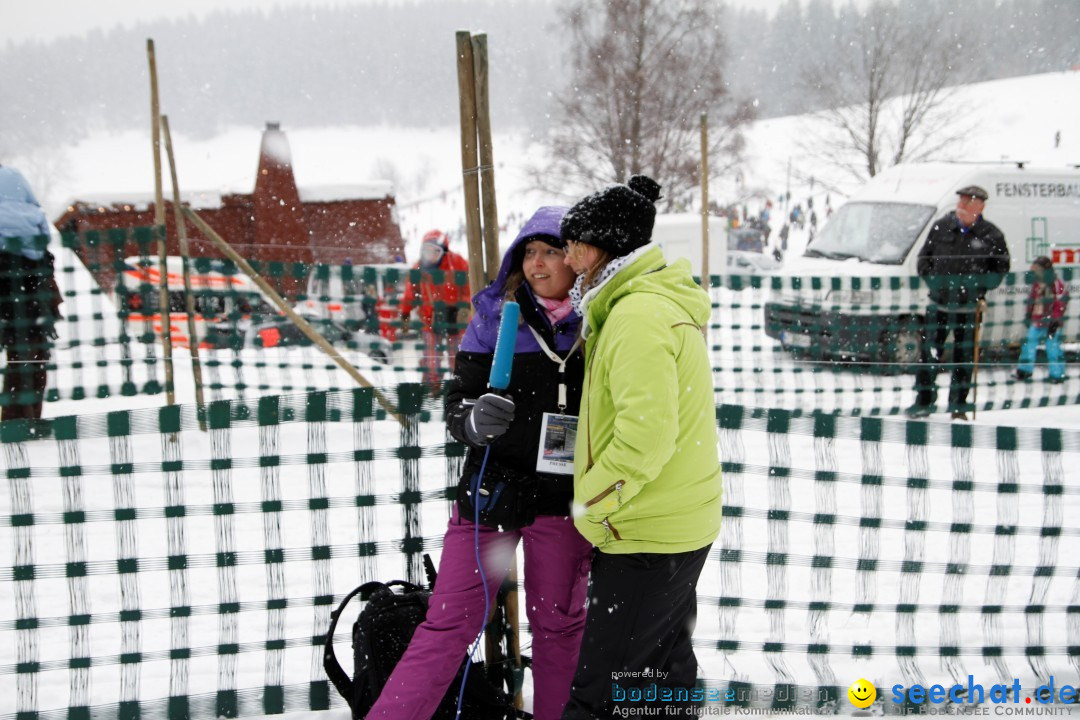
<point x="615" y="488"/>
<point x="611" y="528"/>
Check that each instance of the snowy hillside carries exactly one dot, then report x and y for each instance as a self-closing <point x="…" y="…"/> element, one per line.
<point x="1014" y="119"/>
<point x="1017" y="119"/>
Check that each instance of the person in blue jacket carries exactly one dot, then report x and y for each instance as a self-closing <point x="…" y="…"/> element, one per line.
<point x="29" y="297"/>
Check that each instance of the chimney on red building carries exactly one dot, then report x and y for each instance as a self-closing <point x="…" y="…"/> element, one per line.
<point x="279" y="214"/>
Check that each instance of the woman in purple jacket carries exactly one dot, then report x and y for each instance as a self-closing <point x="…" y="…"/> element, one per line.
<point x="544" y="392"/>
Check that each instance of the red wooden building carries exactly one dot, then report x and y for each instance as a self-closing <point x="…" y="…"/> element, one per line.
<point x="278" y="222"/>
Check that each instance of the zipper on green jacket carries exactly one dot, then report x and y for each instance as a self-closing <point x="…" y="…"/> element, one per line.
<point x="616" y="488"/>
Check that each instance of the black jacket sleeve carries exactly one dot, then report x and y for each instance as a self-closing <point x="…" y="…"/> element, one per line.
<point x="471" y="371"/>
<point x="998" y="263"/>
<point x="925" y="264"/>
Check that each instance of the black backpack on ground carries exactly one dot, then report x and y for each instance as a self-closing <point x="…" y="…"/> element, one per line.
<point x="380" y="635"/>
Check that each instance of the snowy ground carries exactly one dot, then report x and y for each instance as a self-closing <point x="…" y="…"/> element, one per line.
<point x="765" y="495"/>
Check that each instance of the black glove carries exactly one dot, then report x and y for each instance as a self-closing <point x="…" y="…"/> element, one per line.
<point x="489" y="418"/>
<point x="1053" y="327"/>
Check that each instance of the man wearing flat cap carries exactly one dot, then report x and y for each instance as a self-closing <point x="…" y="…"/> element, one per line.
<point x="964" y="257"/>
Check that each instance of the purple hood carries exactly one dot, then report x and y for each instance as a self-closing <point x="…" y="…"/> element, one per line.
<point x="483" y="329"/>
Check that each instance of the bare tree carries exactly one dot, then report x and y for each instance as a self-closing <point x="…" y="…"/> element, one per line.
<point x="887" y="98"/>
<point x="643" y="71"/>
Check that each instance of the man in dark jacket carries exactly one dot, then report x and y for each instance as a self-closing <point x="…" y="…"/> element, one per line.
<point x="964" y="257"/>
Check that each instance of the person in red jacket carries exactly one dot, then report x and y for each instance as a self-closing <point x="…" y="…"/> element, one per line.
<point x="442" y="297"/>
<point x="1046" y="306"/>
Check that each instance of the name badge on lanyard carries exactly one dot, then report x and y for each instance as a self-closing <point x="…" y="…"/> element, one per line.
<point x="558" y="431"/>
<point x="557" y="436"/>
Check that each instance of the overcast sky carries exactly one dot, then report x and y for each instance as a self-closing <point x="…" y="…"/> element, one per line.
<point x="47" y="19"/>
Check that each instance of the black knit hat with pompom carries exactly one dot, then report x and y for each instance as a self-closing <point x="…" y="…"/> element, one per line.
<point x="618" y="219"/>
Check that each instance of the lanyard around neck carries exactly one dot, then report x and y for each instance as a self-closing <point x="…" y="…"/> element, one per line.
<point x="561" y="362"/>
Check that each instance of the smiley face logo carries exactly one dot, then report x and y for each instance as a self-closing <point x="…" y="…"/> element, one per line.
<point x="862" y="693"/>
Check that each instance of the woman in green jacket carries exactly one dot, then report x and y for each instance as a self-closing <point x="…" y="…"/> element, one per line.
<point x="646" y="470"/>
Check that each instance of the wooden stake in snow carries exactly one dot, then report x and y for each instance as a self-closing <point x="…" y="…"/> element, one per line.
<point x="189" y="298"/>
<point x="300" y="322"/>
<point x="164" y="310"/>
<point x="487" y="158"/>
<point x="980" y="311"/>
<point x="469" y="168"/>
<point x="476" y="121"/>
<point x="705" y="201"/>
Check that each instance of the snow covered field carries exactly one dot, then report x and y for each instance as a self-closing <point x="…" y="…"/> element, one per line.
<point x="782" y="483"/>
<point x="427" y="164"/>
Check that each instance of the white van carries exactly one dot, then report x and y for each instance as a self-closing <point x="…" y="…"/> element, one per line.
<point x="863" y="304"/>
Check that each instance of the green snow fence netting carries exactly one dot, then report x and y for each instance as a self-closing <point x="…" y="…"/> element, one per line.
<point x="848" y="345"/>
<point x="154" y="570"/>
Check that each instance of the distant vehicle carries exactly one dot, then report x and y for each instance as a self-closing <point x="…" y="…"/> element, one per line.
<point x="748" y="252"/>
<point x="281" y="332"/>
<point x="230" y="309"/>
<point x="738" y="251"/>
<point x="225" y="301"/>
<point x="746" y="239"/>
<point x="361" y="297"/>
<point x="879" y="233"/>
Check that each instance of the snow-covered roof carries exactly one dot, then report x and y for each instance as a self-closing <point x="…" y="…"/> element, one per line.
<point x="936" y="183"/>
<point x="197" y="199"/>
<point x="374" y="190"/>
<point x="211" y="199"/>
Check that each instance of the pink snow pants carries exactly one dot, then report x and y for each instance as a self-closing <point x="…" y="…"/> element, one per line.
<point x="556" y="573"/>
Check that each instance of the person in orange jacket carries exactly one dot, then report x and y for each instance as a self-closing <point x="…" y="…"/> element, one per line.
<point x="442" y="297"/>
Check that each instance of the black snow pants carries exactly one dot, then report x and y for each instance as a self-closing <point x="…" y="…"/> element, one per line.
<point x="637" y="648"/>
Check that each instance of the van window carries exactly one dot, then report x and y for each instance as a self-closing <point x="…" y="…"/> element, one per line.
<point x="319" y="288"/>
<point x="873" y="232"/>
<point x="177" y="303"/>
<point x="148" y="300"/>
<point x="210" y="304"/>
<point x="249" y="303"/>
